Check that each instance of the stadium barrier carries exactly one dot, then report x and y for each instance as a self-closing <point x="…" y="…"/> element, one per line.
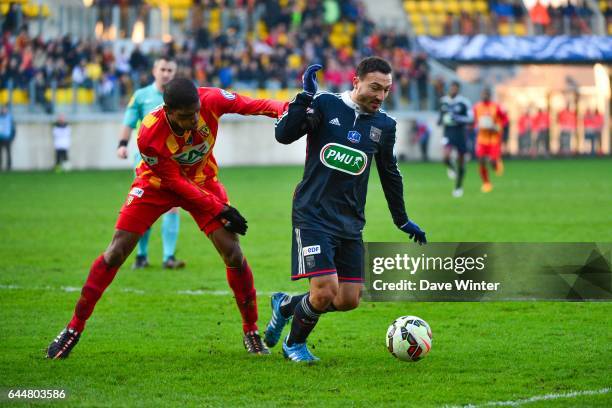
<point x="241" y="141"/>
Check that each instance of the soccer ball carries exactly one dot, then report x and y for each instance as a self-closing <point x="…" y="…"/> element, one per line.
<point x="409" y="338"/>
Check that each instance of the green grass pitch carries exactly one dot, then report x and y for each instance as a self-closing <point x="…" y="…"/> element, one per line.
<point x="160" y="338"/>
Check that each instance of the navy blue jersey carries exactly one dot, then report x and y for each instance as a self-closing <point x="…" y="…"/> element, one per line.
<point x="455" y="113"/>
<point x="341" y="143"/>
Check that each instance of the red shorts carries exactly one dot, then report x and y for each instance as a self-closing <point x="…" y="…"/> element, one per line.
<point x="145" y="204"/>
<point x="492" y="151"/>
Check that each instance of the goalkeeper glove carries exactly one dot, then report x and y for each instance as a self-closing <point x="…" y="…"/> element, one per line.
<point x="233" y="221"/>
<point x="309" y="79"/>
<point x="414" y="232"/>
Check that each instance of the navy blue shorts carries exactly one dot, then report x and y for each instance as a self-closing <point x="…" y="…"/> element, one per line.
<point x="317" y="253"/>
<point x="456" y="141"/>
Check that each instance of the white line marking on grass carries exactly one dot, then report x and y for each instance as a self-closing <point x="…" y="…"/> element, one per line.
<point x="70" y="289"/>
<point x="536" y="398"/>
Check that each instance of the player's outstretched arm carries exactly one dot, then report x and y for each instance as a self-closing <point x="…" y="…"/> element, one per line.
<point x="296" y="121"/>
<point x="393" y="187"/>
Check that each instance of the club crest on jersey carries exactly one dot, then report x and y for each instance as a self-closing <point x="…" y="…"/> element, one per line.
<point x="192" y="155"/>
<point x="137" y="192"/>
<point x="150" y="160"/>
<point x="344" y="158"/>
<point x="228" y="95"/>
<point x="353" y="136"/>
<point x="375" y="134"/>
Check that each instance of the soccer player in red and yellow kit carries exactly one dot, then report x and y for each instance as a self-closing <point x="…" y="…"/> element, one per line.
<point x="179" y="170"/>
<point x="488" y="120"/>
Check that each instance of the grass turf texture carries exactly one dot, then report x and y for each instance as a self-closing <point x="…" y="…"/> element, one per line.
<point x="161" y="347"/>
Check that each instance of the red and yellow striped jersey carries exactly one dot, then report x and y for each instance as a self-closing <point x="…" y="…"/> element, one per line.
<point x="184" y="163"/>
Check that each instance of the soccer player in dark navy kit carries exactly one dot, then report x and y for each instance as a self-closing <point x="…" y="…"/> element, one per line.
<point x="345" y="132"/>
<point x="455" y="114"/>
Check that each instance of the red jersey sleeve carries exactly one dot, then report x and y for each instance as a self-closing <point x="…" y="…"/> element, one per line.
<point x="222" y="101"/>
<point x="173" y="179"/>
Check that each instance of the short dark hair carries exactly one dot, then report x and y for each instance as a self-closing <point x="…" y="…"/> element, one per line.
<point x="164" y="58"/>
<point x="373" y="64"/>
<point x="457" y="84"/>
<point x="180" y="93"/>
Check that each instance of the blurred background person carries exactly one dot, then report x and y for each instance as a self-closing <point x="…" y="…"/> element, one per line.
<point x="593" y="126"/>
<point x="62" y="133"/>
<point x="8" y="130"/>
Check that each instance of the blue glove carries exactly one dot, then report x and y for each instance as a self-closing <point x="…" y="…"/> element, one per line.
<point x="309" y="79"/>
<point x="414" y="232"/>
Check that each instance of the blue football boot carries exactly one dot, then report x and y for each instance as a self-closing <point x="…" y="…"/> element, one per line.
<point x="298" y="352"/>
<point x="277" y="322"/>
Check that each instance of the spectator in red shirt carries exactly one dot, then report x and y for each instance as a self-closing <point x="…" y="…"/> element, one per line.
<point x="593" y="126"/>
<point x="524" y="133"/>
<point x="540" y="126"/>
<point x="567" y="123"/>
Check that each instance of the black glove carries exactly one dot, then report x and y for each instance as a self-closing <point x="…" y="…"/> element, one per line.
<point x="233" y="221"/>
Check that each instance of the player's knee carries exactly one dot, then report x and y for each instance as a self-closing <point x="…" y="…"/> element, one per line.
<point x="233" y="256"/>
<point x="115" y="255"/>
<point x="323" y="296"/>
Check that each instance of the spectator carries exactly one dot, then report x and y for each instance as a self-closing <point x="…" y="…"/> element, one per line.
<point x="593" y="127"/>
<point x="420" y="135"/>
<point x="567" y="125"/>
<point x="61" y="132"/>
<point x="8" y="130"/>
<point x="524" y="133"/>
<point x="40" y="93"/>
<point x="540" y="18"/>
<point x="540" y="125"/>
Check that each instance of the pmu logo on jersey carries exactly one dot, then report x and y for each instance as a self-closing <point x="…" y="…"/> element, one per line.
<point x="353" y="136"/>
<point x="344" y="158"/>
<point x="192" y="155"/>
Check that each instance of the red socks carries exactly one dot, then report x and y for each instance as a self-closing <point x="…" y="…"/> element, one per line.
<point x="240" y="280"/>
<point x="100" y="276"/>
<point x="484" y="173"/>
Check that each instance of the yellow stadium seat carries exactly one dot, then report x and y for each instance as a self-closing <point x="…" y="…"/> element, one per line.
<point x="411" y="7"/>
<point x="283" y="95"/>
<point x="503" y="28"/>
<point x="20" y="97"/>
<point x="3" y="96"/>
<point x="425" y="6"/>
<point x="610" y="29"/>
<point x="467" y="6"/>
<point x="13" y="1"/>
<point x="430" y="18"/>
<point x="520" y="29"/>
<point x="4" y="8"/>
<point x="178" y="3"/>
<point x="482" y="7"/>
<point x="85" y="96"/>
<point x="453" y="7"/>
<point x="416" y="18"/>
<point x="438" y="6"/>
<point x="436" y="30"/>
<point x="603" y="5"/>
<point x="179" y="13"/>
<point x="419" y="29"/>
<point x="263" y="94"/>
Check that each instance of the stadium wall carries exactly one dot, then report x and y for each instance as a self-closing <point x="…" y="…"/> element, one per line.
<point x="241" y="141"/>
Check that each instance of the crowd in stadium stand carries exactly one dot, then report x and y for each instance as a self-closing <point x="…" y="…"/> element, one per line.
<point x="336" y="38"/>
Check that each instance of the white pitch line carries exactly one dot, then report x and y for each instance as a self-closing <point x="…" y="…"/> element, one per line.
<point x="547" y="397"/>
<point x="70" y="289"/>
